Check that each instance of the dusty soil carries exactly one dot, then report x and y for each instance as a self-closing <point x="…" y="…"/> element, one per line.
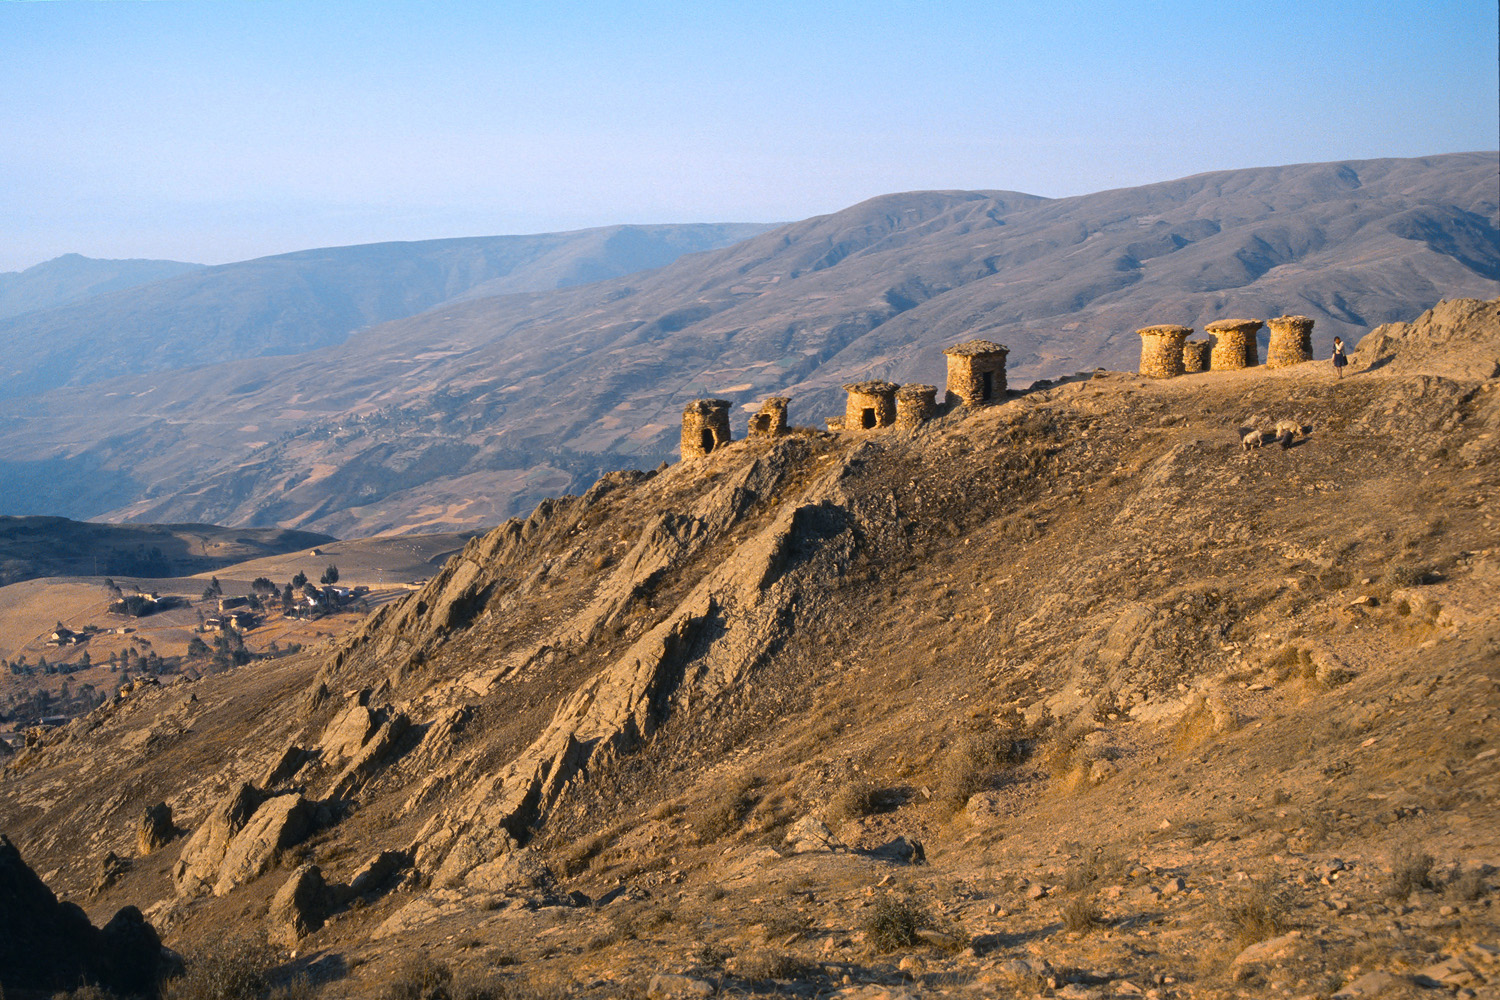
<point x="1168" y="718"/>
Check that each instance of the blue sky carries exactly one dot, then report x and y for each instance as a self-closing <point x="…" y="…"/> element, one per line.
<point x="215" y="130"/>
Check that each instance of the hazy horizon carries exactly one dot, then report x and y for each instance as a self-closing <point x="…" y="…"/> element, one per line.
<point x="214" y="132"/>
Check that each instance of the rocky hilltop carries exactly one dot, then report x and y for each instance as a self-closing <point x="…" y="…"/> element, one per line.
<point x="475" y="410"/>
<point x="1070" y="696"/>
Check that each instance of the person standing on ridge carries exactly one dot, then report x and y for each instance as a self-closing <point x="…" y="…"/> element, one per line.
<point x="1339" y="361"/>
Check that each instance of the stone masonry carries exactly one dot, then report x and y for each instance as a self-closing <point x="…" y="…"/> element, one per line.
<point x="1291" y="341"/>
<point x="1234" y="343"/>
<point x="770" y="419"/>
<point x="1161" y="350"/>
<point x="705" y="426"/>
<point x="915" y="405"/>
<point x="871" y="405"/>
<point x="976" y="372"/>
<point x="1195" y="356"/>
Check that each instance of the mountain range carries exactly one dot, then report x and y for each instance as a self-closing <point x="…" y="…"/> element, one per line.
<point x="472" y="411"/>
<point x="73" y="277"/>
<point x="296" y="302"/>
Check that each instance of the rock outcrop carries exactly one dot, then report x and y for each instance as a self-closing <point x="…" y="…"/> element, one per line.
<point x="47" y="945"/>
<point x="241" y="838"/>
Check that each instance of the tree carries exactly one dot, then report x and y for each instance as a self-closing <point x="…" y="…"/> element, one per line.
<point x="330" y="576"/>
<point x="197" y="647"/>
<point x="85" y="660"/>
<point x="213" y="591"/>
<point x="299" y="581"/>
<point x="262" y="585"/>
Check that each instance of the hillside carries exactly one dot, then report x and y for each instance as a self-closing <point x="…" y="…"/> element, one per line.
<point x="296" y="302"/>
<point x="33" y="547"/>
<point x="472" y="412"/>
<point x="1069" y="696"/>
<point x="72" y="277"/>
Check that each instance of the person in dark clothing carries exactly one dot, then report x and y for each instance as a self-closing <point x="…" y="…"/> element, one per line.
<point x="1339" y="360"/>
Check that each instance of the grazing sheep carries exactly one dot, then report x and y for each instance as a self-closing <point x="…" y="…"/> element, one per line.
<point x="1287" y="430"/>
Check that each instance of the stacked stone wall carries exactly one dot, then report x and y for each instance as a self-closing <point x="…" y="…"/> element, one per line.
<point x="976" y="372"/>
<point x="1234" y="343"/>
<point x="1161" y="350"/>
<point x="915" y="405"/>
<point x="871" y="405"/>
<point x="770" y="419"/>
<point x="1291" y="341"/>
<point x="1195" y="356"/>
<point x="705" y="427"/>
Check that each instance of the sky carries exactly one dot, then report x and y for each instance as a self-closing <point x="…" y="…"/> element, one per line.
<point x="219" y="130"/>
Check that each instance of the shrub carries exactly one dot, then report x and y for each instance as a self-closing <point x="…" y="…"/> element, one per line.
<point x="893" y="924"/>
<point x="421" y="978"/>
<point x="1466" y="885"/>
<point x="973" y="763"/>
<point x="1411" y="870"/>
<point x="1400" y="574"/>
<point x="851" y="801"/>
<point x="1258" y="912"/>
<point x="238" y="969"/>
<point x="769" y="964"/>
<point x="1081" y="913"/>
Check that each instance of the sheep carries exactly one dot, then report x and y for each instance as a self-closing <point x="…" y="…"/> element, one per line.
<point x="1252" y="439"/>
<point x="1286" y="432"/>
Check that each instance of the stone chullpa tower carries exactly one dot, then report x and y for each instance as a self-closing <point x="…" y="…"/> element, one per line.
<point x="770" y="419"/>
<point x="705" y="427"/>
<point x="1195" y="356"/>
<point x="915" y="405"/>
<point x="976" y="372"/>
<point x="871" y="406"/>
<point x="1234" y="343"/>
<point x="1161" y="350"/>
<point x="1291" y="341"/>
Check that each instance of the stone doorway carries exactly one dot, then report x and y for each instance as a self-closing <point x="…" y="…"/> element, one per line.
<point x="867" y="418"/>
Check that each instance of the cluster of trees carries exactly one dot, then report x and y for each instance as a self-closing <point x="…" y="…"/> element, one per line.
<point x="28" y="708"/>
<point x="299" y="596"/>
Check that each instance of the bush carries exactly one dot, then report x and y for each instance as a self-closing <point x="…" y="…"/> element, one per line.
<point x="238" y="969"/>
<point x="1255" y="914"/>
<point x="768" y="964"/>
<point x="1081" y="913"/>
<point x="851" y="801"/>
<point x="1466" y="885"/>
<point x="973" y="763"/>
<point x="421" y="978"/>
<point x="1411" y="870"/>
<point x="894" y="924"/>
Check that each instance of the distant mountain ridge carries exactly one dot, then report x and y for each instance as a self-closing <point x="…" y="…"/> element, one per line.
<point x="296" y="302"/>
<point x="73" y="277"/>
<point x="473" y="411"/>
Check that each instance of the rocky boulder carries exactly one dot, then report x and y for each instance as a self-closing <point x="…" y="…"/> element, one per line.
<point x="47" y="945"/>
<point x="155" y="829"/>
<point x="300" y="906"/>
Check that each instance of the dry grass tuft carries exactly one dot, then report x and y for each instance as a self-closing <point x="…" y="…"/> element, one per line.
<point x="1081" y="914"/>
<point x="1258" y="912"/>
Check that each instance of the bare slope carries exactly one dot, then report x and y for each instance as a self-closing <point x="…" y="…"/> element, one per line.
<point x="1150" y="703"/>
<point x="291" y="303"/>
<point x="472" y="412"/>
